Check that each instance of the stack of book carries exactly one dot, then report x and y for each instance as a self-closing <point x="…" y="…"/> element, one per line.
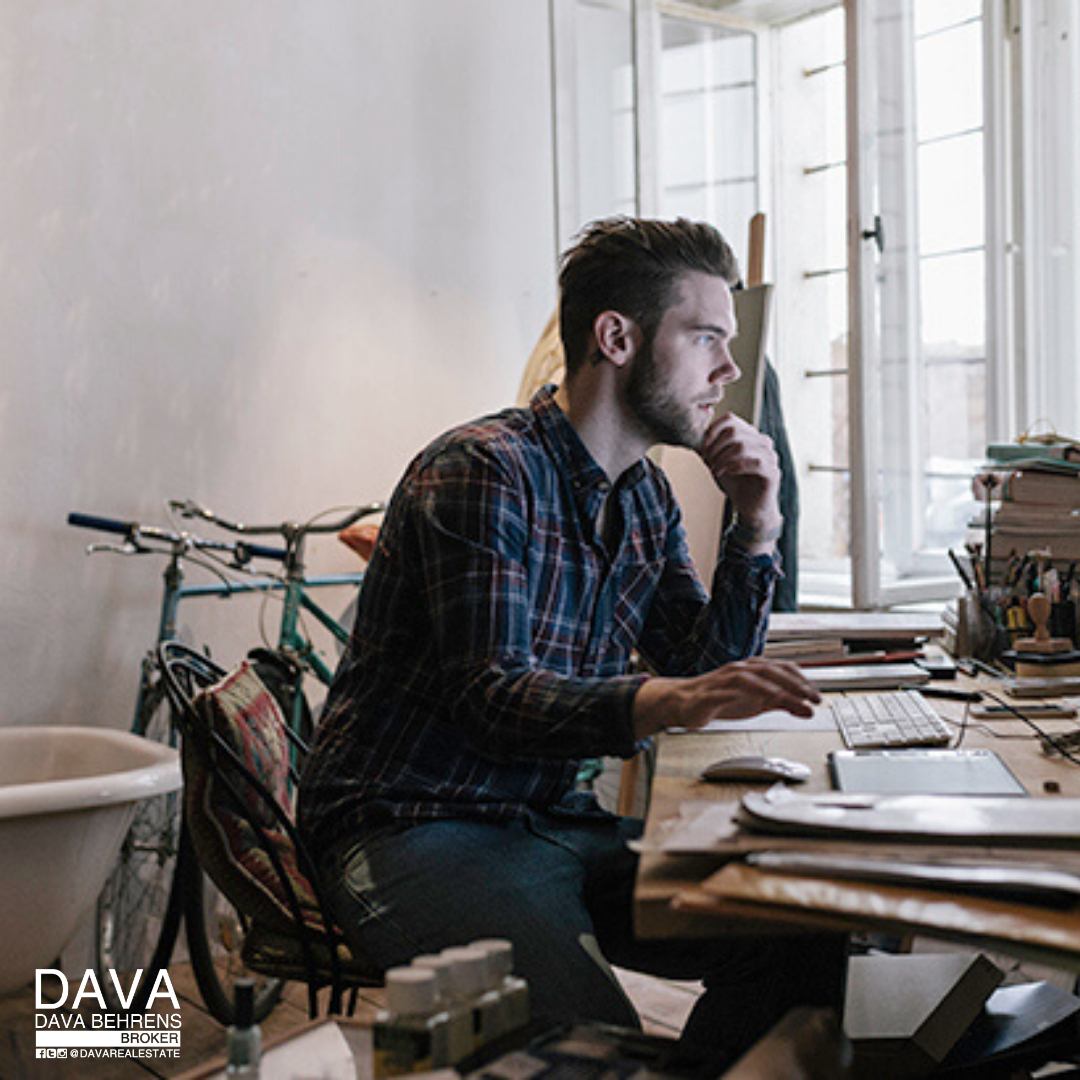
<point x="1033" y="503"/>
<point x="815" y="639"/>
<point x="1025" y="544"/>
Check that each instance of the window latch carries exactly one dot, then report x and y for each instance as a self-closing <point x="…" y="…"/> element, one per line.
<point x="877" y="233"/>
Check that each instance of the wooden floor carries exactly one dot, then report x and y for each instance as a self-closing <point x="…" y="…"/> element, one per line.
<point x="663" y="1006"/>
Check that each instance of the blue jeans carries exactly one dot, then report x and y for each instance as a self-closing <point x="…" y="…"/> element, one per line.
<point x="561" y="890"/>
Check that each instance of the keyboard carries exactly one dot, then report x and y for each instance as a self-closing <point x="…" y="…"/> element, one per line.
<point x="894" y="720"/>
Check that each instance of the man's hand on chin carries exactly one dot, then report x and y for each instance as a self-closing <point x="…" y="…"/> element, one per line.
<point x="744" y="464"/>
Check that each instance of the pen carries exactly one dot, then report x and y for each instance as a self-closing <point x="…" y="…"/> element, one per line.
<point x="960" y="569"/>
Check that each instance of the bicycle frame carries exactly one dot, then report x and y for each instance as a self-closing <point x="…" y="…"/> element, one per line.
<point x="296" y="599"/>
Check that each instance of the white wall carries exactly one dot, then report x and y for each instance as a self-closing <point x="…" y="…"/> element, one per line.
<point x="252" y="252"/>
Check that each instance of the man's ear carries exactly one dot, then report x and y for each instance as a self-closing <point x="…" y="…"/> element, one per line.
<point x="617" y="337"/>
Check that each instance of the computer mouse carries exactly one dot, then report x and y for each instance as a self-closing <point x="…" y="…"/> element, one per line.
<point x="757" y="769"/>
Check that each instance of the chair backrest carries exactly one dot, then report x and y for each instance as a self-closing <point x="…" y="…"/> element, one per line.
<point x="237" y="794"/>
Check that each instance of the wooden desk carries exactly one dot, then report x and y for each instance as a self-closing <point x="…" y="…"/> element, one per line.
<point x="681" y="758"/>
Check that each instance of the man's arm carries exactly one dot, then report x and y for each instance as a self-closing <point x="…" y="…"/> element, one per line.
<point x="733" y="692"/>
<point x="689" y="632"/>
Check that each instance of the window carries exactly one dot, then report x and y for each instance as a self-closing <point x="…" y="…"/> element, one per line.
<point x="920" y="160"/>
<point x="927" y="313"/>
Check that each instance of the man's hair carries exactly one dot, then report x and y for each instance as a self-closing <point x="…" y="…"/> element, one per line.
<point x="633" y="266"/>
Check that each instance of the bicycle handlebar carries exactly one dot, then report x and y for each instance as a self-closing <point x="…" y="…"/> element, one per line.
<point x="242" y="551"/>
<point x="109" y="525"/>
<point x="291" y="530"/>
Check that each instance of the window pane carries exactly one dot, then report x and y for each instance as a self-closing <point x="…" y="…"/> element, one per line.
<point x="950" y="504"/>
<point x="949" y="89"/>
<point x="954" y="377"/>
<point x="682" y="60"/>
<point x="953" y="298"/>
<point x="733" y="122"/>
<point x="955" y="407"/>
<point x="688" y="202"/>
<point x="830" y="29"/>
<point x="733" y="205"/>
<point x="731" y="57"/>
<point x="683" y="144"/>
<point x="708" y="131"/>
<point x="834" y="105"/>
<point x="836" y="307"/>
<point x="951" y="195"/>
<point x="826" y="191"/>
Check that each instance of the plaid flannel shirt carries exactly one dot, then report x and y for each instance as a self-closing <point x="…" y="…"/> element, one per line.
<point x="496" y="628"/>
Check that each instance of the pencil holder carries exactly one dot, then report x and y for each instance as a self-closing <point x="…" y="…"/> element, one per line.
<point x="978" y="633"/>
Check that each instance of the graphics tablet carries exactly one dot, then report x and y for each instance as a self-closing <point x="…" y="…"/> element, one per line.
<point x="922" y="772"/>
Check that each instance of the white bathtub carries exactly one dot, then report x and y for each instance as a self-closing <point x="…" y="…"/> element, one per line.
<point x="67" y="795"/>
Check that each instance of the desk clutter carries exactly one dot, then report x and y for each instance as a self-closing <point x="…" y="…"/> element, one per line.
<point x="1019" y="571"/>
<point x="994" y="872"/>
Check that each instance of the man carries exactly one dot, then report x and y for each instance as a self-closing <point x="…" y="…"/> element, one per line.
<point x="524" y="559"/>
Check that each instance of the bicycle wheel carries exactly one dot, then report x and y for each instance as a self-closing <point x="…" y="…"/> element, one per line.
<point x="215" y="936"/>
<point x="138" y="912"/>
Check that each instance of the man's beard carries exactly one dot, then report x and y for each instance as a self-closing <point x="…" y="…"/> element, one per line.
<point x="656" y="411"/>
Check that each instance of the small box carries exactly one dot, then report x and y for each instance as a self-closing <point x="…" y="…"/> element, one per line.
<point x="905" y="1013"/>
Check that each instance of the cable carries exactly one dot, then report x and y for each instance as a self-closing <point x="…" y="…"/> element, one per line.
<point x="964" y="721"/>
<point x="1046" y="738"/>
<point x="986" y="729"/>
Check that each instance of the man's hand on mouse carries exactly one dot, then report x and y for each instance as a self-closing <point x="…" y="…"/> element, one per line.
<point x="735" y="691"/>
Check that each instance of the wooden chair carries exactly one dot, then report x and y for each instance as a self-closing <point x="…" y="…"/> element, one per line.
<point x="239" y="783"/>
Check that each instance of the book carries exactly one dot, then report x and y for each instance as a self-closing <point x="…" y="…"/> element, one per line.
<point x="885" y="675"/>
<point x="1029" y="515"/>
<point x="1033" y="451"/>
<point x="1059" y="545"/>
<point x="807" y="650"/>
<point x="1048" y="686"/>
<point x="852" y="626"/>
<point x="1043" y="666"/>
<point x="1032" y="485"/>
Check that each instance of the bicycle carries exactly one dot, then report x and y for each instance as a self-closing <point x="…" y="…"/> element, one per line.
<point x="141" y="906"/>
<point x="282" y="666"/>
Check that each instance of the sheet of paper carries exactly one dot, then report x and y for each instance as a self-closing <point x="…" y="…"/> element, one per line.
<point x="774" y="720"/>
<point x="700" y="827"/>
<point x="323" y="1052"/>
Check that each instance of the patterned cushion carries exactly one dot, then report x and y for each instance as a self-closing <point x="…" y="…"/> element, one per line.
<point x="246" y="715"/>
